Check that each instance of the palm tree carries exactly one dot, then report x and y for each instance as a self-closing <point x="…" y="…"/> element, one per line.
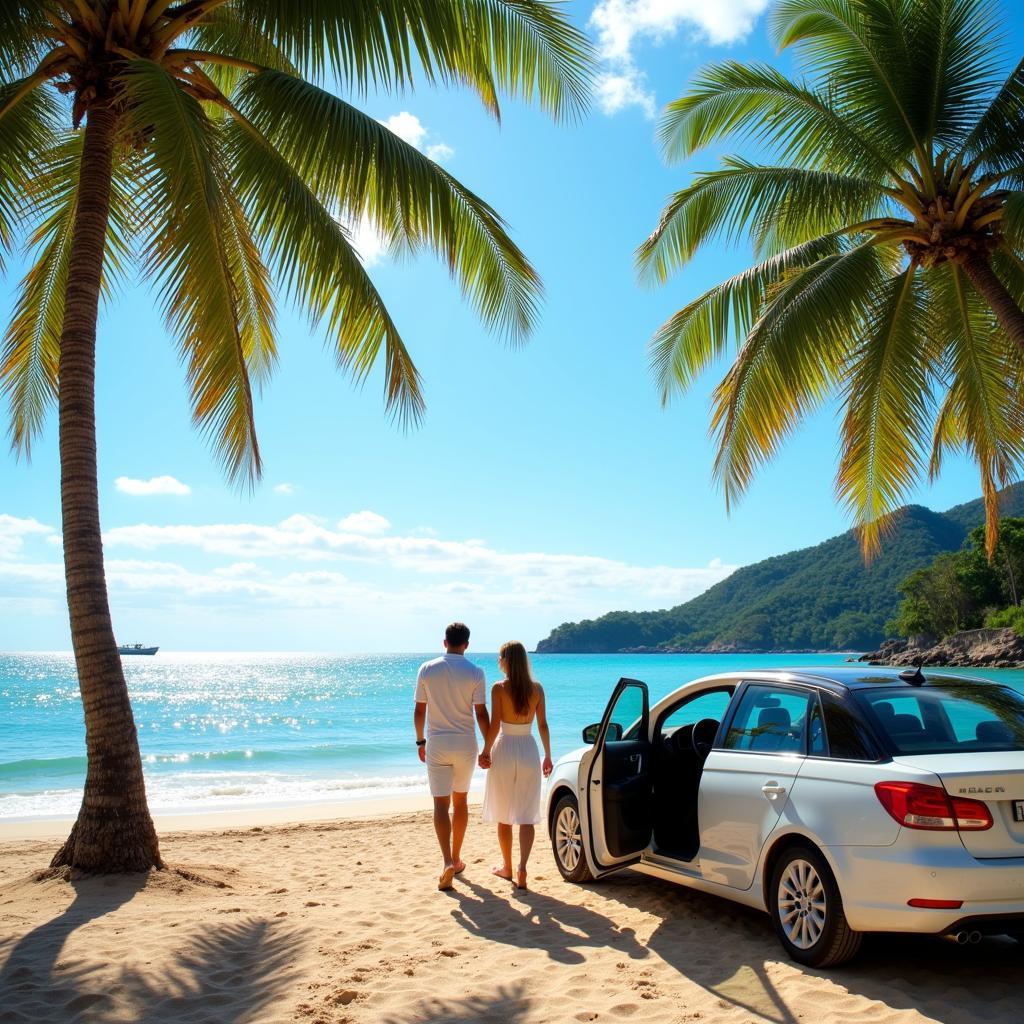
<point x="887" y="220"/>
<point x="213" y="153"/>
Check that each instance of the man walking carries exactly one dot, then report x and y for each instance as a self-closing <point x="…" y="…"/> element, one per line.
<point x="449" y="692"/>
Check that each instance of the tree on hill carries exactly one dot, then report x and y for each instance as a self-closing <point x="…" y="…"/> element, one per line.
<point x="888" y="224"/>
<point x="213" y="155"/>
<point x="965" y="589"/>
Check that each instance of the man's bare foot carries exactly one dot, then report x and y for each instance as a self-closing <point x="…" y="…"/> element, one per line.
<point x="460" y="866"/>
<point x="521" y="878"/>
<point x="505" y="873"/>
<point x="445" y="881"/>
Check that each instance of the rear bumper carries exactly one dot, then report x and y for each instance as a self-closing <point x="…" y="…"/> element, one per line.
<point x="877" y="882"/>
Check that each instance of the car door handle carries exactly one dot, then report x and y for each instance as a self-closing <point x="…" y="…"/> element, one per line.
<point x="773" y="790"/>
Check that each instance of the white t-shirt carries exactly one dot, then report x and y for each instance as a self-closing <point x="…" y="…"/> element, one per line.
<point x="450" y="686"/>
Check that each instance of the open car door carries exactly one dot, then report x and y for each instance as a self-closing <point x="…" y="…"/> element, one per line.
<point x="618" y="779"/>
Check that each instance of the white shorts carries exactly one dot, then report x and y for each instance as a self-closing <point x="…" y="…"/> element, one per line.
<point x="450" y="763"/>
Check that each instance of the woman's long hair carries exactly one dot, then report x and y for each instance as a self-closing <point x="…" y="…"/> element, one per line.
<point x="517" y="672"/>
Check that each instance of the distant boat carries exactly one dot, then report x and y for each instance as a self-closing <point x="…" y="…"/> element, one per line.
<point x="136" y="649"/>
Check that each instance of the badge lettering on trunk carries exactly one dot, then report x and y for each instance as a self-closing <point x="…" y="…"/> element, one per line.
<point x="1018" y="810"/>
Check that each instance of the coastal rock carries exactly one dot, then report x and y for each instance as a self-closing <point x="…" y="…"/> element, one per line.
<point x="972" y="648"/>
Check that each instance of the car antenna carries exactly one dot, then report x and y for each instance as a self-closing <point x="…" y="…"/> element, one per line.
<point x="913" y="676"/>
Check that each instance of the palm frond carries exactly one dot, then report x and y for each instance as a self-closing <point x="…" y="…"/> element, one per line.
<point x="792" y="205"/>
<point x="860" y="47"/>
<point x="528" y="48"/>
<point x="27" y="130"/>
<point x="983" y="414"/>
<point x="31" y="345"/>
<point x="887" y="409"/>
<point x="758" y="103"/>
<point x="357" y="167"/>
<point x="226" y="34"/>
<point x="954" y="49"/>
<point x="320" y="269"/>
<point x="687" y="343"/>
<point x="1012" y="223"/>
<point x="995" y="138"/>
<point x="189" y="256"/>
<point x="791" y="360"/>
<point x="22" y="36"/>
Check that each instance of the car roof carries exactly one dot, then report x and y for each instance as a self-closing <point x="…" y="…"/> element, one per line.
<point x="860" y="677"/>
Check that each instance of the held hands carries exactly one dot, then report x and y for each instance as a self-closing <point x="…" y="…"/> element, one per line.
<point x="422" y="751"/>
<point x="547" y="767"/>
<point x="484" y="760"/>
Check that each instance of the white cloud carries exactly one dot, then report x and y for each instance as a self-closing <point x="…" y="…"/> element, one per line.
<point x="13" y="532"/>
<point x="408" y="127"/>
<point x="354" y="569"/>
<point x="284" y="489"/>
<point x="621" y="23"/>
<point x="439" y="152"/>
<point x="155" y="485"/>
<point x="615" y="92"/>
<point x="365" y="522"/>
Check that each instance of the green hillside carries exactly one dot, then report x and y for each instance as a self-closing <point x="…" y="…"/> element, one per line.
<point x="818" y="598"/>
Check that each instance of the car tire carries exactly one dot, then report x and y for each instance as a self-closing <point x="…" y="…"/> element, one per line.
<point x="807" y="910"/>
<point x="567" y="841"/>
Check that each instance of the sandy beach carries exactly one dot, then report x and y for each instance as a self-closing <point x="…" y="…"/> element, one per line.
<point x="339" y="921"/>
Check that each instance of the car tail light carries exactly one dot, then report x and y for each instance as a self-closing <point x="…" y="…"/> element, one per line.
<point x="916" y="805"/>
<point x="936" y="904"/>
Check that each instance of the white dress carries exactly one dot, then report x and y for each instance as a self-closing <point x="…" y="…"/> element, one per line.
<point x="512" y="792"/>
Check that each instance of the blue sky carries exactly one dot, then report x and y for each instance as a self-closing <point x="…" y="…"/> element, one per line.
<point x="545" y="484"/>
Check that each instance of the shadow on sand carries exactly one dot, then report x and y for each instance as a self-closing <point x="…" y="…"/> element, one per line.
<point x="732" y="952"/>
<point x="226" y="973"/>
<point x="543" y="922"/>
<point x="507" y="1005"/>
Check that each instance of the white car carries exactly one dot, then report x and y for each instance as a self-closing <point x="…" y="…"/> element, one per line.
<point x="841" y="801"/>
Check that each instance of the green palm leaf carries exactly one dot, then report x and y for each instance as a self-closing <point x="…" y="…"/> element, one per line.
<point x="525" y="47"/>
<point x="190" y="256"/>
<point x="356" y="166"/>
<point x="887" y="407"/>
<point x="860" y="46"/>
<point x="31" y="345"/>
<point x="27" y="130"/>
<point x="790" y="360"/>
<point x="788" y="205"/>
<point x="320" y="269"/>
<point x="983" y="413"/>
<point x="687" y="343"/>
<point x="757" y="102"/>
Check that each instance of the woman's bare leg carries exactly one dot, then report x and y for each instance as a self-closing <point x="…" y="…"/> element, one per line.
<point x="505" y="843"/>
<point x="526" y="836"/>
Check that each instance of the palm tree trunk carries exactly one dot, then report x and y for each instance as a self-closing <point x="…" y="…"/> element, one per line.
<point x="1010" y="316"/>
<point x="114" y="830"/>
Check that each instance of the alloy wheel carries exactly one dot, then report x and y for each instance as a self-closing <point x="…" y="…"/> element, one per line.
<point x="568" y="838"/>
<point x="802" y="907"/>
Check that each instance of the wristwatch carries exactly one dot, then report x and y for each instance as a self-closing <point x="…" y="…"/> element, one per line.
<point x="421" y="743"/>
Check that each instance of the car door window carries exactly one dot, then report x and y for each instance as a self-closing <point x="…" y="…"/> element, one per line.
<point x="710" y="704"/>
<point x="770" y="720"/>
<point x="627" y="714"/>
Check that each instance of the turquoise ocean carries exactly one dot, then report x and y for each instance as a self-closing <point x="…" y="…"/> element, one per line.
<point x="233" y="731"/>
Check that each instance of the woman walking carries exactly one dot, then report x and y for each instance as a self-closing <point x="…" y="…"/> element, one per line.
<point x="512" y="793"/>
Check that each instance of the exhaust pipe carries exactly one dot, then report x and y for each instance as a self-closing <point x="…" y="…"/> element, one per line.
<point x="974" y="938"/>
<point x="966" y="938"/>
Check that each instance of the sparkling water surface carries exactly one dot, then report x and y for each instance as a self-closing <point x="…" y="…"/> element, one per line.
<point x="228" y="731"/>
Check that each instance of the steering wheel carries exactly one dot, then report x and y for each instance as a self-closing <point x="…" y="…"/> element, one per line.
<point x="703" y="736"/>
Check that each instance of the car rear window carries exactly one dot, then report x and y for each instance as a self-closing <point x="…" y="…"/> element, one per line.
<point x="948" y="718"/>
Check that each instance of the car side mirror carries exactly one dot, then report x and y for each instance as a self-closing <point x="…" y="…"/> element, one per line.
<point x="591" y="731"/>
